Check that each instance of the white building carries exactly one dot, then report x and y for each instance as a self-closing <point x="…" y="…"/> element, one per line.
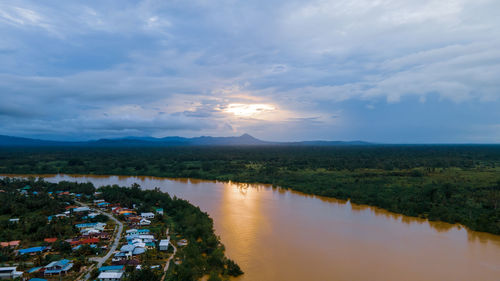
<point x="81" y="209"/>
<point x="10" y="272"/>
<point x="147" y="215"/>
<point x="110" y="276"/>
<point x="164" y="244"/>
<point x="93" y="215"/>
<point x="144" y="222"/>
<point x="132" y="231"/>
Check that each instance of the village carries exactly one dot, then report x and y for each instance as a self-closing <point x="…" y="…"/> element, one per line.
<point x="111" y="241"/>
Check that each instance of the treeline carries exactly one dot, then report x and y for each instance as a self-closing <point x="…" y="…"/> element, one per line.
<point x="452" y="183"/>
<point x="33" y="210"/>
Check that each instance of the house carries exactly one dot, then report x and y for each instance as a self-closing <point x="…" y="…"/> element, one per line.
<point x="58" y="267"/>
<point x="110" y="276"/>
<point x="81" y="209"/>
<point x="99" y="201"/>
<point x="141" y="240"/>
<point x="164" y="244"/>
<point x="92" y="215"/>
<point x="11" y="244"/>
<point x="88" y="241"/>
<point x="100" y="235"/>
<point x="182" y="242"/>
<point x="15" y="220"/>
<point x="50" y="240"/>
<point x="159" y="211"/>
<point x="37" y="279"/>
<point x="34" y="270"/>
<point x="10" y="273"/>
<point x="103" y="205"/>
<point x="112" y="268"/>
<point x="132" y="231"/>
<point x="90" y="232"/>
<point x="142" y="237"/>
<point x="148" y="215"/>
<point x="95" y="225"/>
<point x="32" y="250"/>
<point x="130" y="250"/>
<point x="144" y="222"/>
<point x="139" y="267"/>
<point x="132" y="262"/>
<point x="133" y="219"/>
<point x="76" y="248"/>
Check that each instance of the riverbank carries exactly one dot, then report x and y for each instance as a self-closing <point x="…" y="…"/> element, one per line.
<point x="455" y="184"/>
<point x="203" y="255"/>
<point x="262" y="228"/>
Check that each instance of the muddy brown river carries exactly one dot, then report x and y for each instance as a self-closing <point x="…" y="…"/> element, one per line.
<point x="276" y="234"/>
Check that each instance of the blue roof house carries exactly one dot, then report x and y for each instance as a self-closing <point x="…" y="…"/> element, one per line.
<point x="32" y="250"/>
<point x="58" y="267"/>
<point x="112" y="268"/>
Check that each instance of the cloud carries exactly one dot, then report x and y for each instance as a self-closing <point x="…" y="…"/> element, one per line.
<point x="167" y="67"/>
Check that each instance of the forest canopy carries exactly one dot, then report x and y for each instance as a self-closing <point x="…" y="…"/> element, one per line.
<point x="451" y="183"/>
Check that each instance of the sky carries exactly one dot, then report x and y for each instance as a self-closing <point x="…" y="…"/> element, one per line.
<point x="392" y="71"/>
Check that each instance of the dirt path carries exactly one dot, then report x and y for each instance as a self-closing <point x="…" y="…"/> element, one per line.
<point x="169" y="259"/>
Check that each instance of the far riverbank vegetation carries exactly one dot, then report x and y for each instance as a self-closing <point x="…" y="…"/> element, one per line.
<point x="451" y="183"/>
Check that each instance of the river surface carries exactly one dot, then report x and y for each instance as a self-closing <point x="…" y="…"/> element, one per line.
<point x="277" y="234"/>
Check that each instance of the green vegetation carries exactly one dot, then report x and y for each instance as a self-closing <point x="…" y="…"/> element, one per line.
<point x="33" y="202"/>
<point x="204" y="253"/>
<point x="34" y="210"/>
<point x="452" y="183"/>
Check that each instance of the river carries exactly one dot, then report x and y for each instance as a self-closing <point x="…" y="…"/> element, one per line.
<point x="277" y="234"/>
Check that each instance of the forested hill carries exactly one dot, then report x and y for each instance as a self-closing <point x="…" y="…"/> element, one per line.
<point x="243" y="140"/>
<point x="458" y="183"/>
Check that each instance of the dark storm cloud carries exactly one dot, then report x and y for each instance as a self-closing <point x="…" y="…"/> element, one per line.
<point x="84" y="69"/>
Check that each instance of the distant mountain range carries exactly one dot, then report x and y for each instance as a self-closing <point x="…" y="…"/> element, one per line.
<point x="243" y="140"/>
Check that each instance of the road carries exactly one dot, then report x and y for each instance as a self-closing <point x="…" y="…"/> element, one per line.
<point x="100" y="260"/>
<point x="169" y="259"/>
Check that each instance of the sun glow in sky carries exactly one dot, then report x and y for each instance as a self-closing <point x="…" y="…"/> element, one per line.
<point x="387" y="71"/>
<point x="248" y="110"/>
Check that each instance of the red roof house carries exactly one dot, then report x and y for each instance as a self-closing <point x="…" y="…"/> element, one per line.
<point x="50" y="240"/>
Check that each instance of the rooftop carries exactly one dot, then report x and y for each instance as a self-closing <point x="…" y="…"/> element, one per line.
<point x="112" y="268"/>
<point x="110" y="275"/>
<point x="31" y="250"/>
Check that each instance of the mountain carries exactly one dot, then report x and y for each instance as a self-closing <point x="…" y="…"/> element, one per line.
<point x="17" y="141"/>
<point x="243" y="140"/>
